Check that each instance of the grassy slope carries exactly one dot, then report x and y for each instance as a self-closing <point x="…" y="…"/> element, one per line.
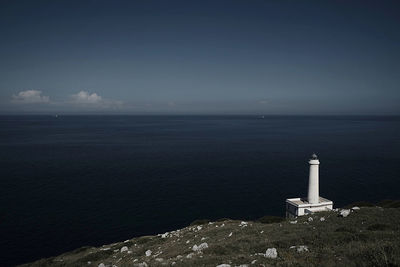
<point x="366" y="237"/>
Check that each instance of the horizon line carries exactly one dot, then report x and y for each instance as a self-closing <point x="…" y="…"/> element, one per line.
<point x="259" y="115"/>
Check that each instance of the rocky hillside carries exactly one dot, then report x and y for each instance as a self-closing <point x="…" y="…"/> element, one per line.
<point x="366" y="236"/>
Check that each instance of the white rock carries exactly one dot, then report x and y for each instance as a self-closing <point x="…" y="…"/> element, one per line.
<point x="187" y="242"/>
<point x="293" y="222"/>
<point x="159" y="259"/>
<point x="179" y="257"/>
<point x="243" y="224"/>
<point x="165" y="235"/>
<point x="142" y="264"/>
<point x="173" y="263"/>
<point x="302" y="249"/>
<point x="322" y="219"/>
<point x="190" y="255"/>
<point x="199" y="228"/>
<point x="89" y="262"/>
<point x="105" y="248"/>
<point x="157" y="254"/>
<point x="148" y="253"/>
<point x="203" y="238"/>
<point x="200" y="247"/>
<point x="271" y="253"/>
<point x="262" y="232"/>
<point x="123" y="249"/>
<point x="355" y="208"/>
<point x="126" y="241"/>
<point x="116" y="250"/>
<point x="222" y="225"/>
<point x="101" y="265"/>
<point x="243" y="265"/>
<point x="230" y="234"/>
<point x="254" y="261"/>
<point x="224" y="265"/>
<point x="310" y="219"/>
<point x="135" y="260"/>
<point x="344" y="213"/>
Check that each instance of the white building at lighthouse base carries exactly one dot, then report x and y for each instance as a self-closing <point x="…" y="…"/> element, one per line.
<point x="300" y="206"/>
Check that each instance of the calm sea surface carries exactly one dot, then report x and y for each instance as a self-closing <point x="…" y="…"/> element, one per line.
<point x="72" y="181"/>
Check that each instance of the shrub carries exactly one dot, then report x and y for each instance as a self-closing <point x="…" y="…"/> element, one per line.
<point x="345" y="229"/>
<point x="98" y="255"/>
<point x="218" y="250"/>
<point x="359" y="204"/>
<point x="223" y="220"/>
<point x="76" y="251"/>
<point x="199" y="222"/>
<point x="377" y="254"/>
<point x="270" y="219"/>
<point x="388" y="203"/>
<point x="143" y="240"/>
<point x="379" y="227"/>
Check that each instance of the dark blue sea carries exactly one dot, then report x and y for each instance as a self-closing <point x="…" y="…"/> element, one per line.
<point x="74" y="181"/>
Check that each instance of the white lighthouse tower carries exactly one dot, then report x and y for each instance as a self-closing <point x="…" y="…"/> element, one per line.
<point x="313" y="203"/>
<point x="313" y="180"/>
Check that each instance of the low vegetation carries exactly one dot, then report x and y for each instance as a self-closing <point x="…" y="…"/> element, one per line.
<point x="359" y="204"/>
<point x="270" y="219"/>
<point x="200" y="222"/>
<point x="387" y="203"/>
<point x="369" y="236"/>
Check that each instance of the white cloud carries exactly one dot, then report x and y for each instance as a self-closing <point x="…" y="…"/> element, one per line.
<point x="84" y="97"/>
<point x="95" y="101"/>
<point x="30" y="96"/>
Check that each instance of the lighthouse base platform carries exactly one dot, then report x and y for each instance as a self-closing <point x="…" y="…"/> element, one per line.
<point x="300" y="206"/>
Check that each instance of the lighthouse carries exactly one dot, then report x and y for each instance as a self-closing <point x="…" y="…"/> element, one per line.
<point x="313" y="202"/>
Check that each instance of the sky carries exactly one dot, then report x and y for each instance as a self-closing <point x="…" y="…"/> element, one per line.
<point x="200" y="57"/>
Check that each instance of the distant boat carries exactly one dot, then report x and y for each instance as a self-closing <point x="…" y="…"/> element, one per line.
<point x="262" y="117"/>
<point x="56" y="116"/>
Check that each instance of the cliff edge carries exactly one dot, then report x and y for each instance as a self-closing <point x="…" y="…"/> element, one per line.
<point x="366" y="236"/>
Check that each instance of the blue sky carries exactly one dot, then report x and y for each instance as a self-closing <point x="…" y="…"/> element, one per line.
<point x="200" y="57"/>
